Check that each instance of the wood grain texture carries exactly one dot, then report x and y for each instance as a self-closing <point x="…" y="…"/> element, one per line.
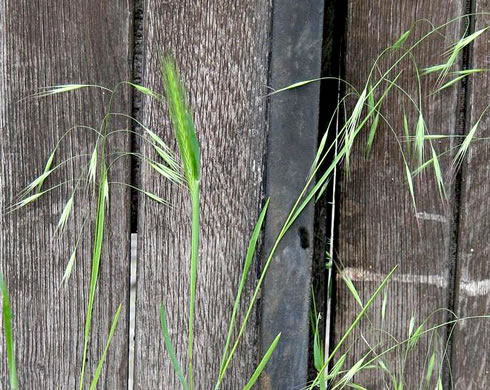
<point x="222" y="49"/>
<point x="44" y="43"/>
<point x="471" y="348"/>
<point x="378" y="227"/>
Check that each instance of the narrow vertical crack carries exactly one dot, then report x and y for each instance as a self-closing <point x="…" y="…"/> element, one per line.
<point x="136" y="103"/>
<point x="325" y="210"/>
<point x="462" y="129"/>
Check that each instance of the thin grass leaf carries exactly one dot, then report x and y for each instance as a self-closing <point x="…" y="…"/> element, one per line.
<point x="374" y="124"/>
<point x="352" y="289"/>
<point x="401" y="40"/>
<point x="353" y="128"/>
<point x="355" y="369"/>
<point x="420" y="138"/>
<point x="433" y="69"/>
<point x="411" y="326"/>
<point x="71" y="261"/>
<point x="430" y="369"/>
<point x="65" y="215"/>
<point x="406" y="132"/>
<point x="167" y="157"/>
<point x="463" y="149"/>
<point x="461" y="75"/>
<point x="372" y="133"/>
<point x="383" y="305"/>
<point x="98" y="370"/>
<point x="47" y="168"/>
<point x="92" y="167"/>
<point x="69" y="267"/>
<point x="167" y="172"/>
<point x="170" y="347"/>
<point x="262" y="364"/>
<point x="449" y="83"/>
<point x="335" y="371"/>
<point x="24" y="202"/>
<point x="246" y="270"/>
<point x="322" y="190"/>
<point x="356" y="386"/>
<point x="57" y="89"/>
<point x="36" y="183"/>
<point x="351" y="328"/>
<point x="410" y="185"/>
<point x="9" y="338"/>
<point x="438" y="174"/>
<point x="145" y="90"/>
<point x="294" y="85"/>
<point x="102" y="198"/>
<point x="439" y="383"/>
<point x="415" y="337"/>
<point x="454" y="52"/>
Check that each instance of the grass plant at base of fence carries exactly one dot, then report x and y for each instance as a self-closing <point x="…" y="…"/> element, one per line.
<point x="9" y="337"/>
<point x="365" y="114"/>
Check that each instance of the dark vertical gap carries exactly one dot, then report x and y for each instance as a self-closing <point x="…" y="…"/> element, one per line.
<point x="332" y="65"/>
<point x="136" y="103"/>
<point x="261" y="252"/>
<point x="462" y="128"/>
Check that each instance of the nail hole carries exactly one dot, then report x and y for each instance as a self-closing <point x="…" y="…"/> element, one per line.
<point x="304" y="238"/>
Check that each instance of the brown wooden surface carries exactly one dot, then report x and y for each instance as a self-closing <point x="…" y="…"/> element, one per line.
<point x="221" y="48"/>
<point x="471" y="348"/>
<point x="377" y="225"/>
<point x="42" y="44"/>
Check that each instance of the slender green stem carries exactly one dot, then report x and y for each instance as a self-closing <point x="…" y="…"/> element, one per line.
<point x="195" y="228"/>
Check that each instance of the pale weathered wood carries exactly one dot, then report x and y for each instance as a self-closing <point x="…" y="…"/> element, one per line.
<point x="46" y="43"/>
<point x="471" y="347"/>
<point x="378" y="227"/>
<point x="222" y="48"/>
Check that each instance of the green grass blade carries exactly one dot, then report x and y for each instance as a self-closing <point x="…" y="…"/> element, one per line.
<point x="262" y="364"/>
<point x="170" y="347"/>
<point x="401" y="40"/>
<point x="246" y="268"/>
<point x="47" y="168"/>
<point x="420" y="138"/>
<point x="408" y="174"/>
<point x="57" y="89"/>
<point x="352" y="289"/>
<point x="145" y="90"/>
<point x="185" y="134"/>
<point x="9" y="338"/>
<point x="96" y="255"/>
<point x="98" y="370"/>
<point x="351" y="328"/>
<point x="430" y="369"/>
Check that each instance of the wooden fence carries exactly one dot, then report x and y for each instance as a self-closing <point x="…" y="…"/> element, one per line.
<point x="252" y="147"/>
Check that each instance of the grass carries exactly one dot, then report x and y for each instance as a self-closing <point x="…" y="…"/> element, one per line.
<point x="363" y="114"/>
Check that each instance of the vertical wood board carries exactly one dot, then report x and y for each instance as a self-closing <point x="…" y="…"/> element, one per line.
<point x="297" y="30"/>
<point x="378" y="226"/>
<point x="222" y="49"/>
<point x="46" y="43"/>
<point x="471" y="347"/>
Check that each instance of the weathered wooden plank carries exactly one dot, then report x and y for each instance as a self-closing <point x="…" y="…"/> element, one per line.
<point x="222" y="50"/>
<point x="471" y="347"/>
<point x="46" y="43"/>
<point x="378" y="227"/>
<point x="293" y="131"/>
